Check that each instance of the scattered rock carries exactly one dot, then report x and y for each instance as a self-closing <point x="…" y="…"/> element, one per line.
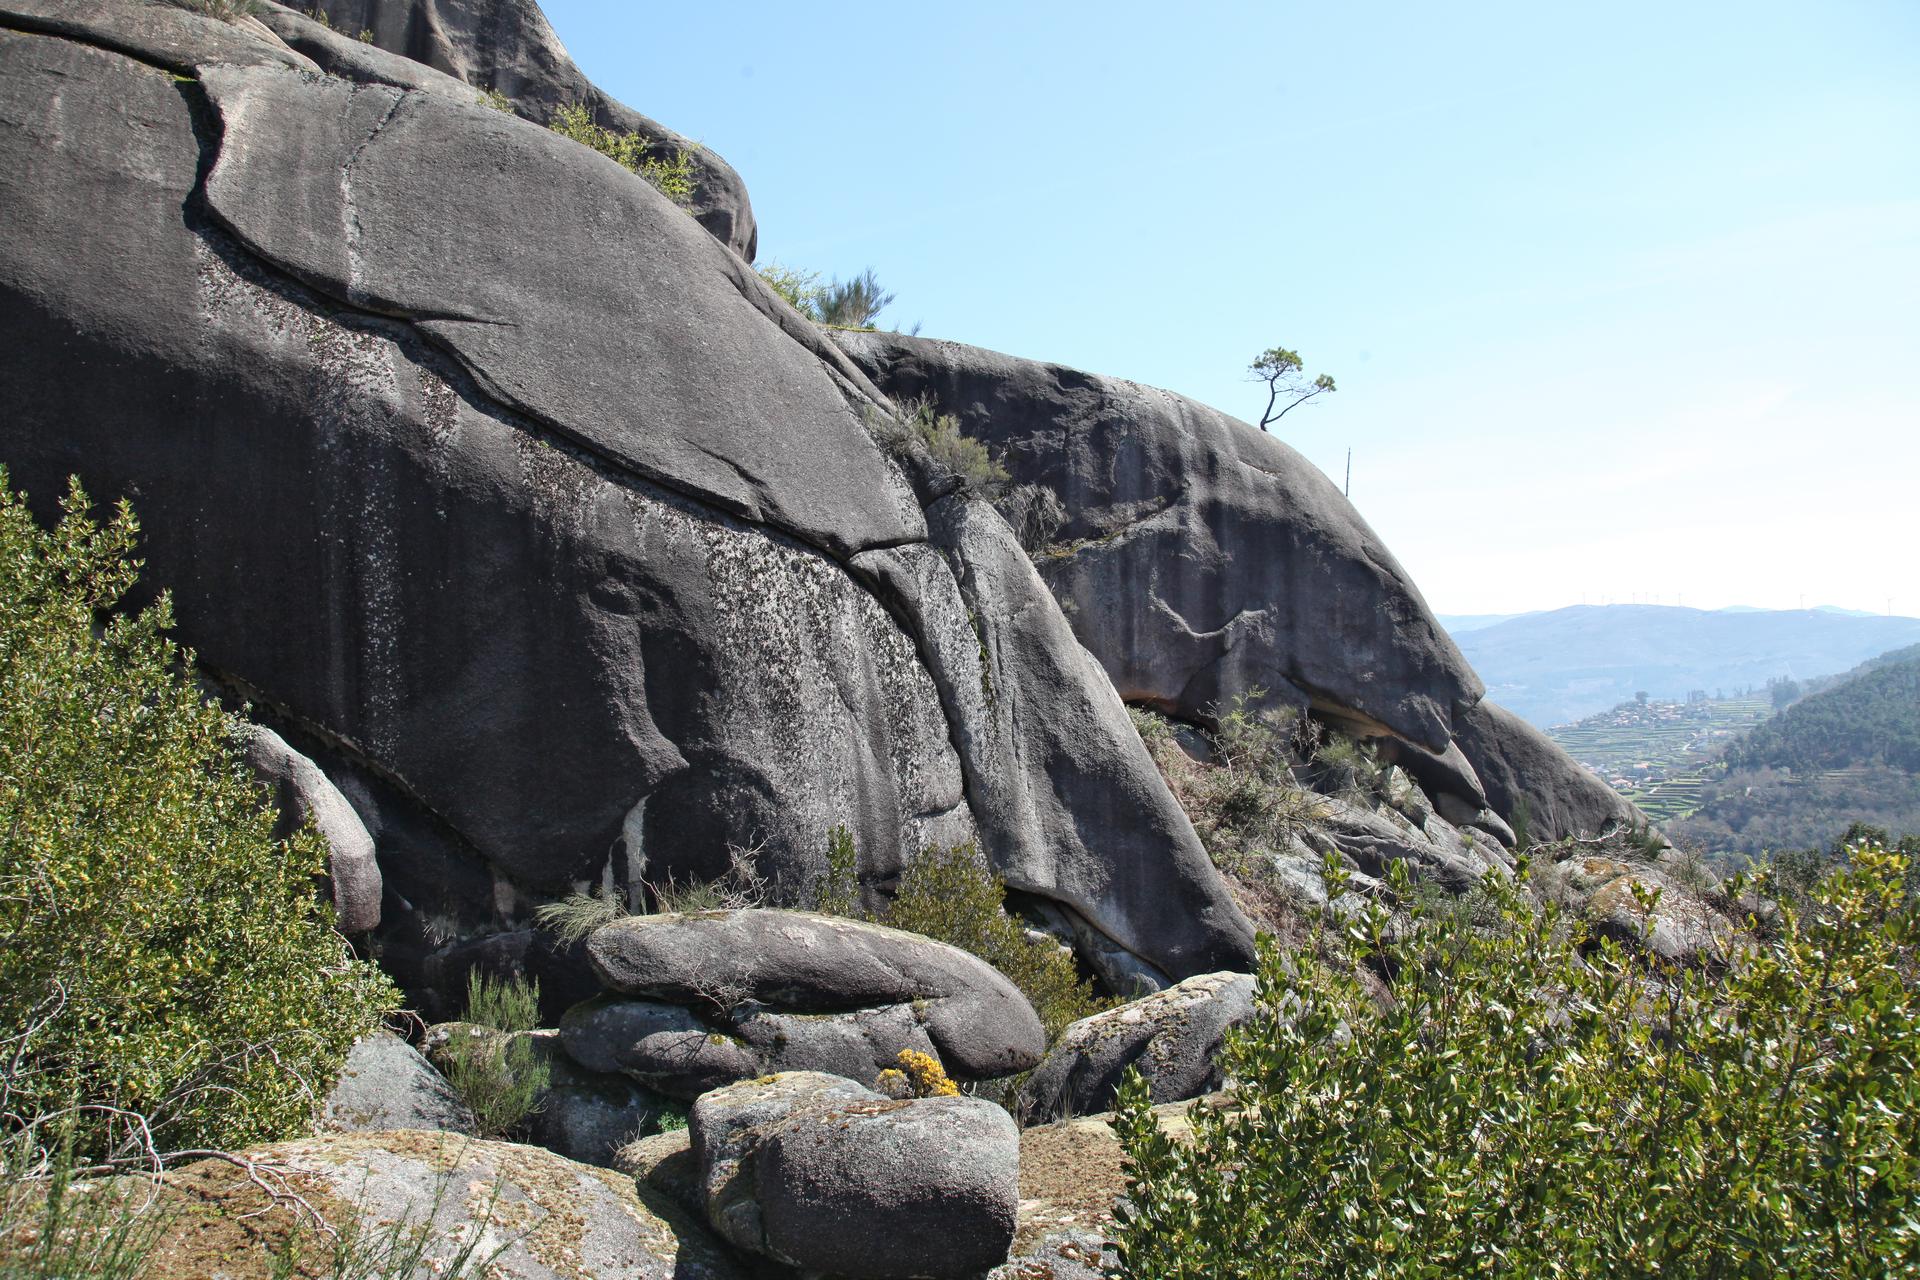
<point x="1172" y="1037"/>
<point x="1607" y="891"/>
<point x="386" y="1084"/>
<point x="818" y="1173"/>
<point x="536" y="1215"/>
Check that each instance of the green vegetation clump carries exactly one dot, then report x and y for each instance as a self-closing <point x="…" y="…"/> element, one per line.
<point x="837" y="893"/>
<point x="672" y="175"/>
<point x="500" y="1077"/>
<point x="848" y="304"/>
<point x="952" y="896"/>
<point x="802" y="289"/>
<point x="165" y="956"/>
<point x="1527" y="1101"/>
<point x="1245" y="804"/>
<point x="979" y="473"/>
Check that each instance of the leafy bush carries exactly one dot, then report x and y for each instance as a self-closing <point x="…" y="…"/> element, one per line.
<point x="672" y="174"/>
<point x="164" y="955"/>
<point x="1531" y="1103"/>
<point x="919" y="1075"/>
<point x="952" y="896"/>
<point x="853" y="304"/>
<point x="501" y="1078"/>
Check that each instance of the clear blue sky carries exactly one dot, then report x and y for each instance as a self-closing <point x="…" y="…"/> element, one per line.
<point x="1623" y="300"/>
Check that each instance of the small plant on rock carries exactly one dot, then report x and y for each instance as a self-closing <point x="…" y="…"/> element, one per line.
<point x="919" y="1075"/>
<point x="952" y="896"/>
<point x="671" y="174"/>
<point x="493" y="1065"/>
<point x="960" y="454"/>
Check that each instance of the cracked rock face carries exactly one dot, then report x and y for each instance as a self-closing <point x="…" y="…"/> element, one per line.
<point x="1200" y="556"/>
<point x="508" y="46"/>
<point x="520" y="505"/>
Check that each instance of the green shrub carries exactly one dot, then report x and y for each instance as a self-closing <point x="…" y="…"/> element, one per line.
<point x="960" y="454"/>
<point x="1528" y="1103"/>
<point x="952" y="896"/>
<point x="838" y="892"/>
<point x="672" y="174"/>
<point x="164" y="953"/>
<point x="802" y="289"/>
<point x="578" y="914"/>
<point x="852" y="304"/>
<point x="501" y="1078"/>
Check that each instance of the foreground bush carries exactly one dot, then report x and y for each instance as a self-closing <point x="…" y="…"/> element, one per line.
<point x="163" y="955"/>
<point x="1530" y="1105"/>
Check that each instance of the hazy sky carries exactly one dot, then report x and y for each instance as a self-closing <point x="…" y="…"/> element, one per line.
<point x="1623" y="301"/>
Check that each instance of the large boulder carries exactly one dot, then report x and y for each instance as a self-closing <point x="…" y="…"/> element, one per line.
<point x="819" y="1174"/>
<point x="301" y="793"/>
<point x="387" y="1084"/>
<point x="1172" y="1038"/>
<point x="508" y="46"/>
<point x="805" y="963"/>
<point x="529" y="545"/>
<point x="525" y="1213"/>
<point x="1200" y="557"/>
<point x="1529" y="775"/>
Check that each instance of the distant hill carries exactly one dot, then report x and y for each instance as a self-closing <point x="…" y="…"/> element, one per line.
<point x="1848" y="753"/>
<point x="1461" y="623"/>
<point x="1872" y="717"/>
<point x="1565" y="664"/>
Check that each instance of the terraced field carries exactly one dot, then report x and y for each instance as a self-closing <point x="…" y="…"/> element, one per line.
<point x="1658" y="754"/>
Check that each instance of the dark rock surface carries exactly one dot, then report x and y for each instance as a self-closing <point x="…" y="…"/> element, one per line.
<point x="667" y="1047"/>
<point x="508" y="46"/>
<point x="164" y="35"/>
<point x="386" y="1084"/>
<point x="803" y="963"/>
<point x="1517" y="762"/>
<point x="1171" y="1037"/>
<point x="340" y="54"/>
<point x="301" y="792"/>
<point x="1200" y="557"/>
<point x="821" y="1174"/>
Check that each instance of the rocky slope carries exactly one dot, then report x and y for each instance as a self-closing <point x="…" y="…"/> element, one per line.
<point x="1202" y="558"/>
<point x="469" y="460"/>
